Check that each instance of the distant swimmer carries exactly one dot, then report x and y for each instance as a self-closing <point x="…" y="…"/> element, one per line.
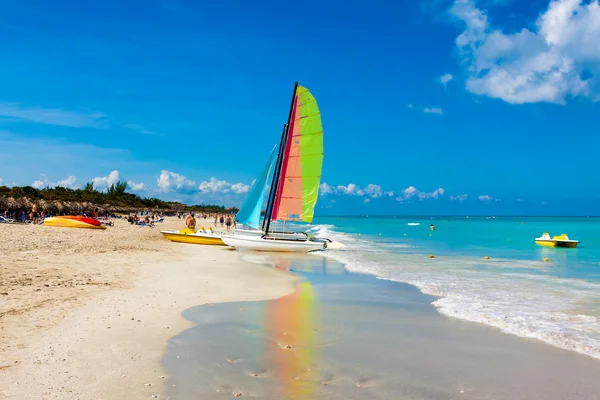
<point x="432" y="228"/>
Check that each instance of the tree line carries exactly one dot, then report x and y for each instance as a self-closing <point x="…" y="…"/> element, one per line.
<point x="116" y="196"/>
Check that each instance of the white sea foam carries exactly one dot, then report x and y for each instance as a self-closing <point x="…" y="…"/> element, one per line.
<point x="528" y="305"/>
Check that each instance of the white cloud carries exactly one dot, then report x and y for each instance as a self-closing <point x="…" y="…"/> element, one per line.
<point x="373" y="191"/>
<point x="39" y="184"/>
<point x="559" y="59"/>
<point x="412" y="192"/>
<point x="136" y="187"/>
<point x="428" y="110"/>
<point x="325" y="189"/>
<point x="168" y="181"/>
<point x="68" y="182"/>
<point x="50" y="116"/>
<point x="433" y="110"/>
<point x="409" y="192"/>
<point x="485" y="198"/>
<point x="367" y="200"/>
<point x="216" y="186"/>
<point x="141" y="129"/>
<point x="459" y="198"/>
<point x="444" y="79"/>
<point x="104" y="182"/>
<point x="0" y="181"/>
<point x="351" y="189"/>
<point x="240" y="188"/>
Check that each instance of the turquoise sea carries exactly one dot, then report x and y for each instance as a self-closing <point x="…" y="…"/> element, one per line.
<point x="556" y="301"/>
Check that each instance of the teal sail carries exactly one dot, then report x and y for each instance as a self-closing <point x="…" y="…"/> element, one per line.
<point x="249" y="214"/>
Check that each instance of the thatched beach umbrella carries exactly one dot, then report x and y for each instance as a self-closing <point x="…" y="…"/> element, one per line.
<point x="12" y="204"/>
<point x="24" y="203"/>
<point x="59" y="206"/>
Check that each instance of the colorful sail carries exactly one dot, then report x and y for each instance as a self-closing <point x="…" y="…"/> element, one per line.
<point x="249" y="213"/>
<point x="302" y="162"/>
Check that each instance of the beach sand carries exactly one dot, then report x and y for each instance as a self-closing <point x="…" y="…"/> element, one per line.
<point x="86" y="314"/>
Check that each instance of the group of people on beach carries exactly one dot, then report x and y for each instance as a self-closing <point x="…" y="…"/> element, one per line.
<point x="226" y="220"/>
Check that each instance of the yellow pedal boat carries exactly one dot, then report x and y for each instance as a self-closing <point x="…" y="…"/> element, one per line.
<point x="201" y="236"/>
<point x="557" y="241"/>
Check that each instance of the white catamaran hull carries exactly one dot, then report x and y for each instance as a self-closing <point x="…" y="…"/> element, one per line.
<point x="268" y="244"/>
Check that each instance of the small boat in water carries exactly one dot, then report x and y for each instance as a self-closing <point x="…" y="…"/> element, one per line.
<point x="557" y="241"/>
<point x="201" y="236"/>
<point x="74" y="221"/>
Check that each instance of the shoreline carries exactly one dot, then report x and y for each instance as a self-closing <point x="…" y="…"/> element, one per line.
<point x="361" y="337"/>
<point x="70" y="339"/>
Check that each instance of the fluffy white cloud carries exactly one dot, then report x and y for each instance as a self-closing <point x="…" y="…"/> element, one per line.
<point x="412" y="192"/>
<point x="351" y="189"/>
<point x="68" y="182"/>
<point x="216" y="186"/>
<point x="560" y="58"/>
<point x="103" y="182"/>
<point x="373" y="191"/>
<point x="485" y="198"/>
<point x="38" y="184"/>
<point x="136" y="187"/>
<point x="444" y="79"/>
<point x="409" y="192"/>
<point x="459" y="198"/>
<point x="325" y="189"/>
<point x="168" y="181"/>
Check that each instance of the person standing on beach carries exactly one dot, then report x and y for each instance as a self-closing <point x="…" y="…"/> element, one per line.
<point x="432" y="228"/>
<point x="228" y="223"/>
<point x="216" y="219"/>
<point x="190" y="221"/>
<point x="34" y="214"/>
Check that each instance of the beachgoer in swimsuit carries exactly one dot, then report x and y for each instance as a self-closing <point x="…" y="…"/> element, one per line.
<point x="228" y="223"/>
<point x="432" y="228"/>
<point x="34" y="214"/>
<point x="221" y="220"/>
<point x="190" y="221"/>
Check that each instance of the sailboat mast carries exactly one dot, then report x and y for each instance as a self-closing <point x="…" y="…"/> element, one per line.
<point x="278" y="164"/>
<point x="268" y="209"/>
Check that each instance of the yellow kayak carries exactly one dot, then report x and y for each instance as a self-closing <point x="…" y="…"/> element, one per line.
<point x="200" y="236"/>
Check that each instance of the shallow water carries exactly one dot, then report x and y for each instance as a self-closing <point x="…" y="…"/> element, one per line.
<point x="557" y="301"/>
<point x="352" y="336"/>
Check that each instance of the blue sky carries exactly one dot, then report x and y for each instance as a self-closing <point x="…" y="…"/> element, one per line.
<point x="439" y="107"/>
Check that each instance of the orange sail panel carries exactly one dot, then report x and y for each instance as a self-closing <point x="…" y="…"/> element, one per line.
<point x="298" y="186"/>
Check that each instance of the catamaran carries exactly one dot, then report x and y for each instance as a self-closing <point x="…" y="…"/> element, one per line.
<point x="294" y="187"/>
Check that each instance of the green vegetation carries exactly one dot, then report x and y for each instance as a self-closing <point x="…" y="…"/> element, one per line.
<point x="116" y="196"/>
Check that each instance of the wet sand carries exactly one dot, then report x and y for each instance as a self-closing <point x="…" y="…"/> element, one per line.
<point x="86" y="314"/>
<point x="349" y="336"/>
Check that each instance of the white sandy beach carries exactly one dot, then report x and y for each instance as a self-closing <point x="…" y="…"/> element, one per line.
<point x="86" y="314"/>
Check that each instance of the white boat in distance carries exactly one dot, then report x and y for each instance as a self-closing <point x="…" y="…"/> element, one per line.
<point x="294" y="188"/>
